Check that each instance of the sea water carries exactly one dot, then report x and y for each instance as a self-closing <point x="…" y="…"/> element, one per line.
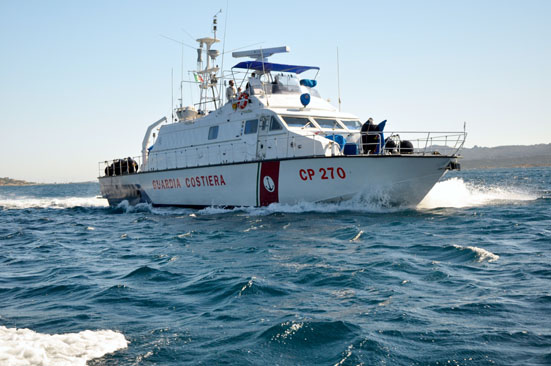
<point x="464" y="278"/>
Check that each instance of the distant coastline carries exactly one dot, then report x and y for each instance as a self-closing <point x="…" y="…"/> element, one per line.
<point x="515" y="156"/>
<point x="15" y="182"/>
<point x="9" y="182"/>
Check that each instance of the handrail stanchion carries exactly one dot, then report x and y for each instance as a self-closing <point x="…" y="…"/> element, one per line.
<point x="426" y="143"/>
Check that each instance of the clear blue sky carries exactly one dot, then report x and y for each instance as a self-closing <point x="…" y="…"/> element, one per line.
<point x="80" y="81"/>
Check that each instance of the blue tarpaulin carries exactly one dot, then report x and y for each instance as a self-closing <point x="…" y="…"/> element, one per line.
<point x="339" y="139"/>
<point x="269" y="66"/>
<point x="309" y="83"/>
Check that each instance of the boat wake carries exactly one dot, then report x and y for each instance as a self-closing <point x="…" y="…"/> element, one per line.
<point x="23" y="202"/>
<point x="457" y="193"/>
<point x="451" y="193"/>
<point x="306" y="207"/>
<point x="27" y="348"/>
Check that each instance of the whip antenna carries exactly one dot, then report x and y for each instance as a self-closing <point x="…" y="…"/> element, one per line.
<point x="172" y="90"/>
<point x="223" y="50"/>
<point x="338" y="80"/>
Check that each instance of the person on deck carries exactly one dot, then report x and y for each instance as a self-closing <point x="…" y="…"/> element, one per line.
<point x="231" y="92"/>
<point x="248" y="86"/>
<point x="254" y="84"/>
<point x="369" y="141"/>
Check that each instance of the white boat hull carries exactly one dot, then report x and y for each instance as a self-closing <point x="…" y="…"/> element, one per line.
<point x="396" y="180"/>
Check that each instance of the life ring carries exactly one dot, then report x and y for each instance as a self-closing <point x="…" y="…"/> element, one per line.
<point x="243" y="100"/>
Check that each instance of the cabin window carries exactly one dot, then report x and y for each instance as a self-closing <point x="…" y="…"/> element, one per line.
<point x="354" y="125"/>
<point x="328" y="123"/>
<point x="275" y="125"/>
<point x="251" y="126"/>
<point x="213" y="132"/>
<point x="298" y="122"/>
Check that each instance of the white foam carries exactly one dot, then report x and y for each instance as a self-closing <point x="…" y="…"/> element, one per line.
<point x="347" y="355"/>
<point x="481" y="254"/>
<point x="455" y="192"/>
<point x="356" y="205"/>
<point x="247" y="285"/>
<point x="140" y="207"/>
<point x="23" y="202"/>
<point x="148" y="207"/>
<point x="289" y="332"/>
<point x="211" y="210"/>
<point x="357" y="237"/>
<point x="24" y="347"/>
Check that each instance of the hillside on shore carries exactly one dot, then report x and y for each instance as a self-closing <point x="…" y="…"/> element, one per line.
<point x="14" y="182"/>
<point x="514" y="156"/>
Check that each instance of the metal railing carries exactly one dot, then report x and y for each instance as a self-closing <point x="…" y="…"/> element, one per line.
<point x="117" y="167"/>
<point x="290" y="145"/>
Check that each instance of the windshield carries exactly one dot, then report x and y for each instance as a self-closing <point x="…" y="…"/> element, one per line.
<point x="354" y="125"/>
<point x="328" y="123"/>
<point x="286" y="84"/>
<point x="298" y="122"/>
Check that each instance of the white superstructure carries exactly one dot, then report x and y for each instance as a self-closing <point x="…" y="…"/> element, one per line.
<point x="277" y="140"/>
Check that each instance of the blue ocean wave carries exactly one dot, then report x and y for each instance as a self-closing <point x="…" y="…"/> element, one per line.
<point x="146" y="273"/>
<point x="462" y="279"/>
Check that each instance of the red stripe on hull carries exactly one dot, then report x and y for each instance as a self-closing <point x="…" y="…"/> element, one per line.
<point x="269" y="183"/>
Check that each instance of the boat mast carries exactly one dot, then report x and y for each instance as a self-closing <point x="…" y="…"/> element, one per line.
<point x="206" y="77"/>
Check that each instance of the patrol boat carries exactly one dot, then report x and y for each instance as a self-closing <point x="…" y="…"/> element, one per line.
<point x="274" y="141"/>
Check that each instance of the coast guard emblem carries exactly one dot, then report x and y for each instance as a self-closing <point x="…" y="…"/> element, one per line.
<point x="269" y="184"/>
